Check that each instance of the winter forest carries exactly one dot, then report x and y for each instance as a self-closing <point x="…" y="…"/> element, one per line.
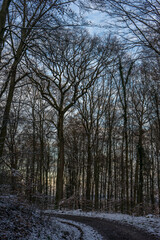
<point x="80" y="107"/>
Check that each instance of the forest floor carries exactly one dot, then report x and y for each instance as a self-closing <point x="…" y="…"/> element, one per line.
<point x="20" y="221"/>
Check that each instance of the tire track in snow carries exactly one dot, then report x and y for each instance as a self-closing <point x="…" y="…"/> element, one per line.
<point x="74" y="225"/>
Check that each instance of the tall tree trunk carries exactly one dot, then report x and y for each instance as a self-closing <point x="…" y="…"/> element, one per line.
<point x="140" y="156"/>
<point x="89" y="173"/>
<point x="3" y="131"/>
<point x="96" y="169"/>
<point x="12" y="76"/>
<point x="136" y="182"/>
<point x="152" y="176"/>
<point x="109" y="169"/>
<point x="60" y="162"/>
<point x="34" y="152"/>
<point x="131" y="164"/>
<point x="122" y="178"/>
<point x="126" y="152"/>
<point x="96" y="179"/>
<point x="158" y="144"/>
<point x="3" y="14"/>
<point x="41" y="164"/>
<point x="125" y="81"/>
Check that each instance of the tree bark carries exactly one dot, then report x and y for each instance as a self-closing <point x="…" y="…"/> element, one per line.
<point x="89" y="174"/>
<point x="109" y="190"/>
<point x="96" y="179"/>
<point x="140" y="156"/>
<point x="60" y="162"/>
<point x="3" y="14"/>
<point x="3" y="131"/>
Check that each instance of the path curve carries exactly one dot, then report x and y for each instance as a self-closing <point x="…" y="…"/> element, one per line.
<point x="110" y="230"/>
<point x="78" y="228"/>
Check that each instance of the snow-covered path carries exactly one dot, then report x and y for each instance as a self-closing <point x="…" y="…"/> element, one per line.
<point x="71" y="230"/>
<point x="115" y="226"/>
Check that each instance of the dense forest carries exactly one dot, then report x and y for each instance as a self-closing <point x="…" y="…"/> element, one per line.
<point x="80" y="112"/>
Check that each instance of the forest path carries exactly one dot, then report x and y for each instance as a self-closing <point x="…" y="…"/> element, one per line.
<point x="110" y="230"/>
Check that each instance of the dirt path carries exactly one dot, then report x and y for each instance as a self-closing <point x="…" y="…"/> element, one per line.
<point x="111" y="230"/>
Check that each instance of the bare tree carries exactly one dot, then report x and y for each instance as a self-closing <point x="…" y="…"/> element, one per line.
<point x="66" y="76"/>
<point x="123" y="91"/>
<point x="26" y="19"/>
<point x="141" y="18"/>
<point x="91" y="108"/>
<point x="141" y="108"/>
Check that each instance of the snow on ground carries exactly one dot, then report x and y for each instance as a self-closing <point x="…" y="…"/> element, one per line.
<point x="66" y="229"/>
<point x="21" y="221"/>
<point x="70" y="228"/>
<point x="148" y="223"/>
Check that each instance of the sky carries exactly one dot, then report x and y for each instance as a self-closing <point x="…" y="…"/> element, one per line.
<point x="100" y="23"/>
